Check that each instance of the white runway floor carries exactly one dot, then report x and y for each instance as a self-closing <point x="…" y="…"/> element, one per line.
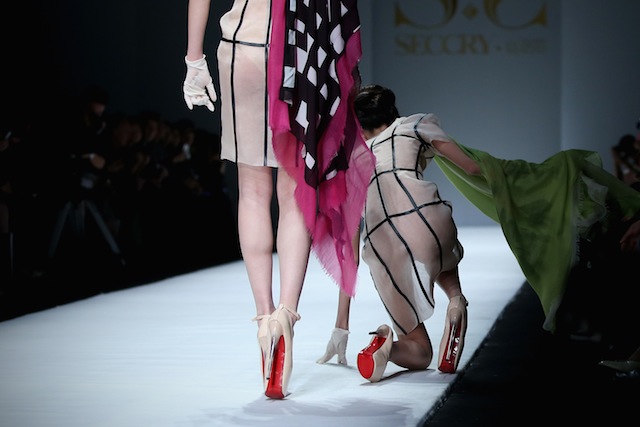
<point x="183" y="352"/>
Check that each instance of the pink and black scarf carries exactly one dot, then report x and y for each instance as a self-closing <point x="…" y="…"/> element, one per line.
<point x="312" y="80"/>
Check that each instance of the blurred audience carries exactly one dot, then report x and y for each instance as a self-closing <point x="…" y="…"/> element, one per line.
<point x="626" y="160"/>
<point x="158" y="186"/>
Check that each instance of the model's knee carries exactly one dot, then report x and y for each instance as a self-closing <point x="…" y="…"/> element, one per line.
<point x="412" y="354"/>
<point x="423" y="357"/>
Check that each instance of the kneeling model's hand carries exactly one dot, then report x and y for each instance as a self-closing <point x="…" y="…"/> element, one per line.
<point x="337" y="346"/>
<point x="198" y="85"/>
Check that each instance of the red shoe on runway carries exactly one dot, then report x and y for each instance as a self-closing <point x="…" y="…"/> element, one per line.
<point x="372" y="360"/>
<point x="280" y="360"/>
<point x="455" y="328"/>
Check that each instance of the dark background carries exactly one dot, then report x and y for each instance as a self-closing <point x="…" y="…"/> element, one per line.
<point x="51" y="52"/>
<point x="134" y="49"/>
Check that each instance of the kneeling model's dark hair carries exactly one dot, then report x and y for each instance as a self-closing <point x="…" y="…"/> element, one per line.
<point x="375" y="106"/>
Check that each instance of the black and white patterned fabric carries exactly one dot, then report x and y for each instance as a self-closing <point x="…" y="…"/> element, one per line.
<point x="316" y="37"/>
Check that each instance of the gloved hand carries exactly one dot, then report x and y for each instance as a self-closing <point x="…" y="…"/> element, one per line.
<point x="337" y="346"/>
<point x="198" y="85"/>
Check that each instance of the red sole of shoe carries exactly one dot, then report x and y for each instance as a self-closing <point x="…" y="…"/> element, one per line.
<point x="274" y="386"/>
<point x="366" y="362"/>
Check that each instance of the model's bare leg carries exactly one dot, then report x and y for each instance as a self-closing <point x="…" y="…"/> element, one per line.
<point x="449" y="281"/>
<point x="293" y="243"/>
<point x="342" y="315"/>
<point x="255" y="230"/>
<point x="337" y="345"/>
<point x="413" y="351"/>
<point x="344" y="300"/>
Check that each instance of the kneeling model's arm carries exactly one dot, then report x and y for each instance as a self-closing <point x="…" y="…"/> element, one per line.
<point x="451" y="151"/>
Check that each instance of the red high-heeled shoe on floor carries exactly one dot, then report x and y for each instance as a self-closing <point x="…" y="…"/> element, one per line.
<point x="280" y="360"/>
<point x="372" y="360"/>
<point x="455" y="328"/>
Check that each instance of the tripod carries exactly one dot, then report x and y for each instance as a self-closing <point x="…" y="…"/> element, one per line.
<point x="74" y="211"/>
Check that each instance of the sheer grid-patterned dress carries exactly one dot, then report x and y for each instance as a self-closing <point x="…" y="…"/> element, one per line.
<point x="242" y="66"/>
<point x="409" y="233"/>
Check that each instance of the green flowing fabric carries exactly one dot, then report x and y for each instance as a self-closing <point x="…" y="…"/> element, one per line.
<point x="543" y="209"/>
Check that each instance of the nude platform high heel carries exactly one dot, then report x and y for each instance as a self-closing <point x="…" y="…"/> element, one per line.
<point x="455" y="328"/>
<point x="280" y="355"/>
<point x="372" y="360"/>
<point x="337" y="346"/>
<point x="263" y="343"/>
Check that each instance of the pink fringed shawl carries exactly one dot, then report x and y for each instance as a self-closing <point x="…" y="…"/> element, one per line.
<point x="312" y="80"/>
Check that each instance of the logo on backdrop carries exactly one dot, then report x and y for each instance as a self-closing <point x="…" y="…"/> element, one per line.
<point x="472" y="27"/>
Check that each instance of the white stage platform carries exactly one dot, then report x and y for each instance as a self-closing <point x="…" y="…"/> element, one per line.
<point x="183" y="352"/>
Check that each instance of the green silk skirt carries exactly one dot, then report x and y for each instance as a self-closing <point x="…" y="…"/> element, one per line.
<point x="544" y="209"/>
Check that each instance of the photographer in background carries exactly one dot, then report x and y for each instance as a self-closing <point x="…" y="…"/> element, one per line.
<point x="82" y="187"/>
<point x="626" y="158"/>
<point x="87" y="140"/>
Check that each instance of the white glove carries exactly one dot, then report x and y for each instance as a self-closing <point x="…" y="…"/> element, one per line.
<point x="337" y="346"/>
<point x="198" y="85"/>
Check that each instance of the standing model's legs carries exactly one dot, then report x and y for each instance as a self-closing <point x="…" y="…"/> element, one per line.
<point x="293" y="244"/>
<point x="255" y="230"/>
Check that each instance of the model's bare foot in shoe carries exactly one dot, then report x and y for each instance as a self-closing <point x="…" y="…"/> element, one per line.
<point x="263" y="342"/>
<point x="372" y="360"/>
<point x="280" y="358"/>
<point x="455" y="328"/>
